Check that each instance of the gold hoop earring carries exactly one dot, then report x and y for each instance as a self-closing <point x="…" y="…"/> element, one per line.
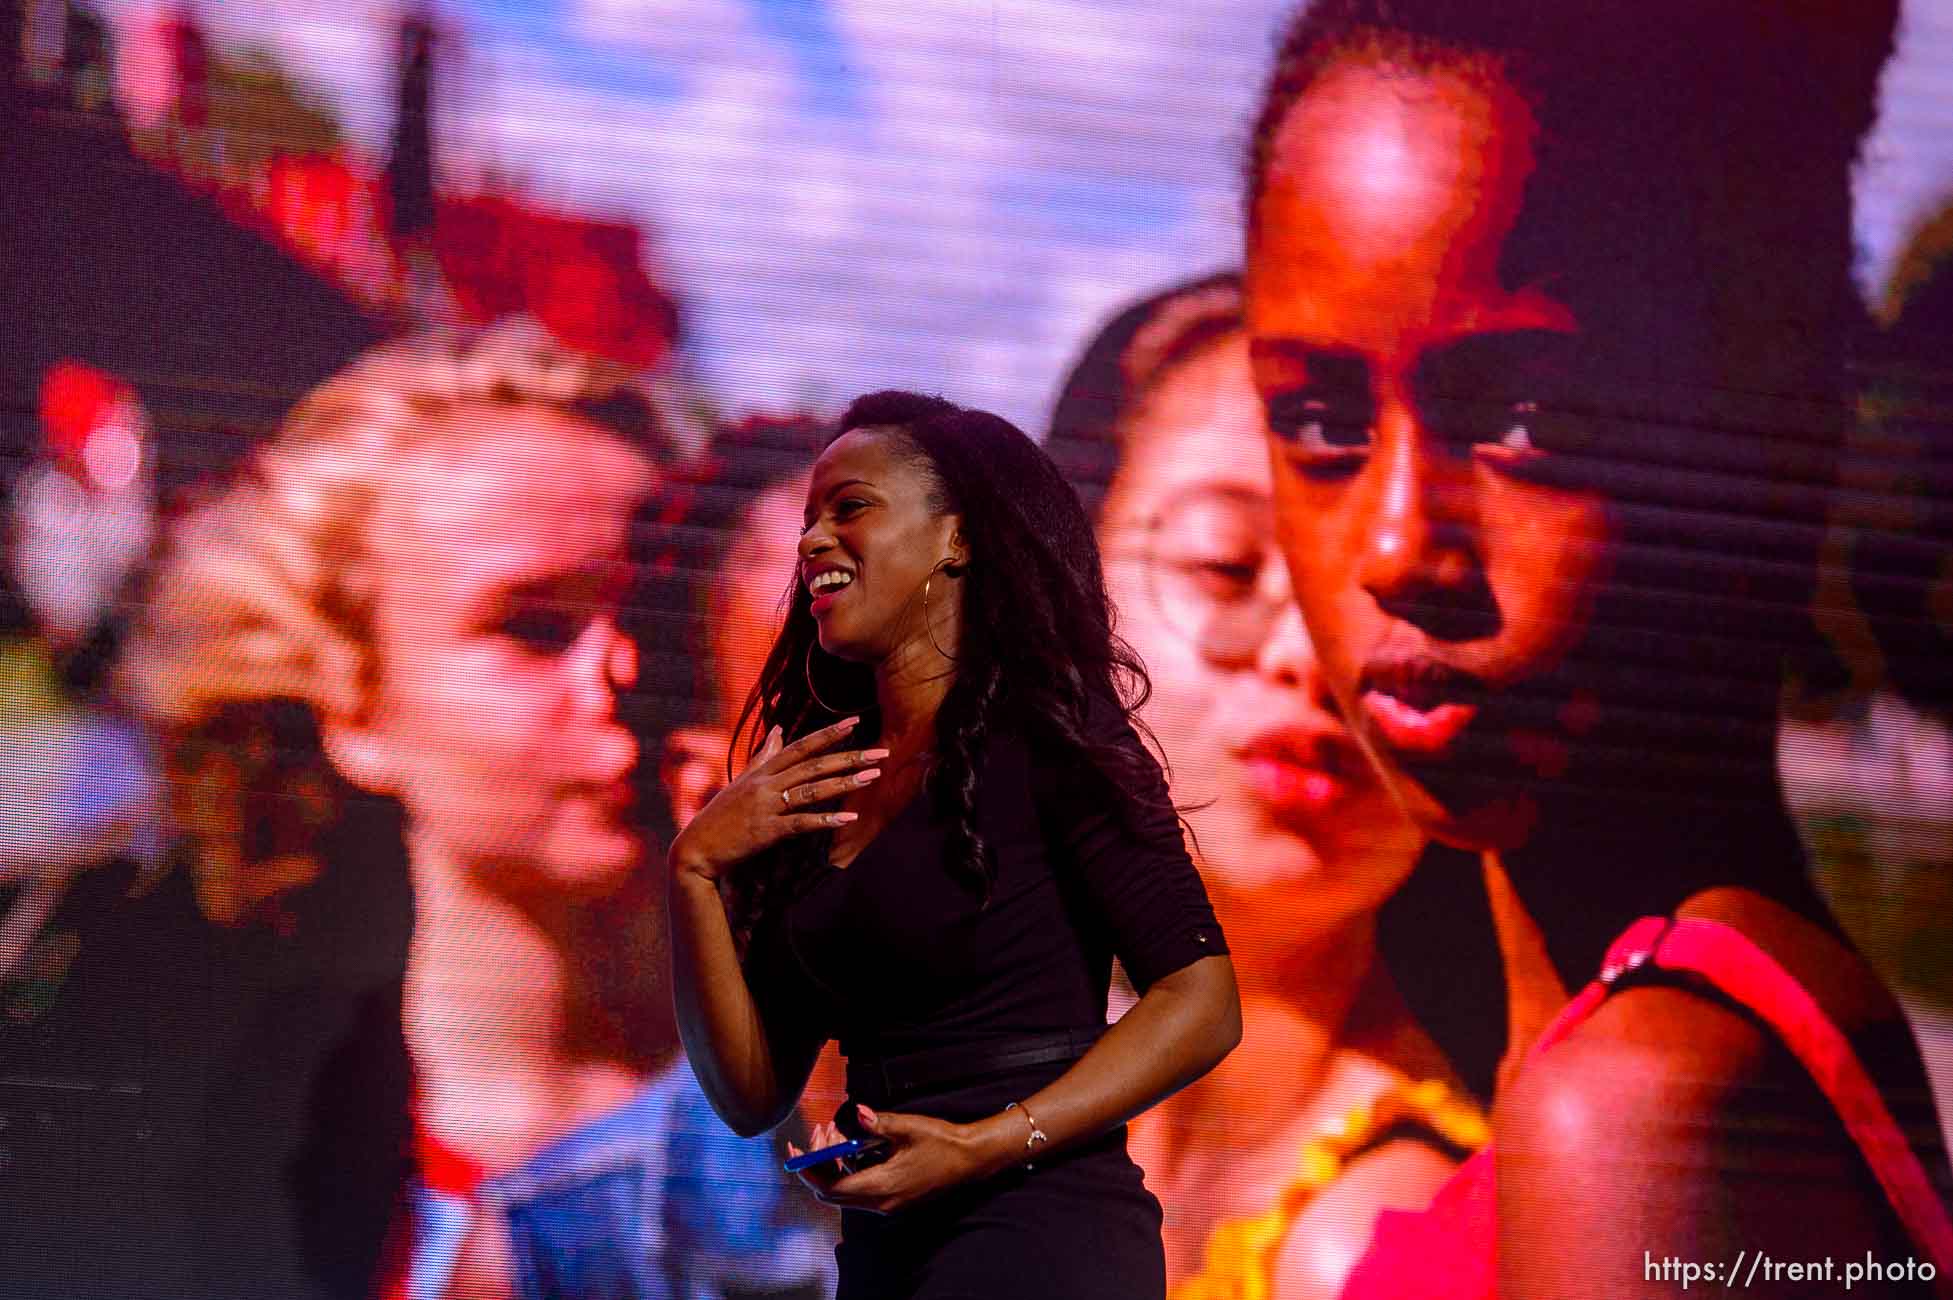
<point x="928" y="625"/>
<point x="839" y="713"/>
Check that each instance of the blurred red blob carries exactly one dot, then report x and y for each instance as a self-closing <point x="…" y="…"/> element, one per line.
<point x="75" y="399"/>
<point x="91" y="425"/>
<point x="583" y="278"/>
<point x="478" y="243"/>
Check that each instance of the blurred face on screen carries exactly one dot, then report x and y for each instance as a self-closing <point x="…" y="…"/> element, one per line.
<point x="503" y="561"/>
<point x="1295" y="828"/>
<point x="1445" y="566"/>
<point x="748" y="597"/>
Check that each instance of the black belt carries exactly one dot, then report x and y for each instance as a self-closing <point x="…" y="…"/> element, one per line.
<point x="891" y="1076"/>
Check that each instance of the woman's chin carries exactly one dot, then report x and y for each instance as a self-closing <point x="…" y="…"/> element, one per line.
<point x="835" y="642"/>
<point x="596" y="865"/>
<point x="1262" y="868"/>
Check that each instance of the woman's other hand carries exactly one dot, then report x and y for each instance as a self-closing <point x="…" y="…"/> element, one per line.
<point x="772" y="799"/>
<point x="929" y="1156"/>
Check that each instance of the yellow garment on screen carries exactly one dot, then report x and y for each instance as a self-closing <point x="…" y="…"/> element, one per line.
<point x="1240" y="1263"/>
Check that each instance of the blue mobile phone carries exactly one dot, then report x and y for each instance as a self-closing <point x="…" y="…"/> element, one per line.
<point x="855" y="1154"/>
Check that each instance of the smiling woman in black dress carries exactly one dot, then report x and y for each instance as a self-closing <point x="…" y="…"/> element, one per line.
<point x="947" y="896"/>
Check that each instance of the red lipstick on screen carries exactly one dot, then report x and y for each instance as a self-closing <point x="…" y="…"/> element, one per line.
<point x="1419" y="705"/>
<point x="1293" y="770"/>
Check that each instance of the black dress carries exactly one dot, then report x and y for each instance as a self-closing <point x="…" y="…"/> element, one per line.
<point x="897" y="954"/>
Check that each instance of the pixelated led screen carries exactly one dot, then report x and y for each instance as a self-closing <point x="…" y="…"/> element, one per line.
<point x="1518" y="446"/>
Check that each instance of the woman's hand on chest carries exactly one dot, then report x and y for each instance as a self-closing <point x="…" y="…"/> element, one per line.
<point x="788" y="790"/>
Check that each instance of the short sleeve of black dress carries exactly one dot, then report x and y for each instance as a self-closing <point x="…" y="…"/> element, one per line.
<point x="1135" y="871"/>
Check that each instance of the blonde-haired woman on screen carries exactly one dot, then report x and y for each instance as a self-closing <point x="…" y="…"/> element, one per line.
<point x="434" y="557"/>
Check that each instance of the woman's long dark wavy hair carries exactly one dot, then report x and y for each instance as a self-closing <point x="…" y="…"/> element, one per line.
<point x="1038" y="651"/>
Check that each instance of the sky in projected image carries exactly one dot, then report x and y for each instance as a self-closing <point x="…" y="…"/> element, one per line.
<point x="852" y="194"/>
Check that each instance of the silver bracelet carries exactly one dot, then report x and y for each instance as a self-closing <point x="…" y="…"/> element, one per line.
<point x="1037" y="1138"/>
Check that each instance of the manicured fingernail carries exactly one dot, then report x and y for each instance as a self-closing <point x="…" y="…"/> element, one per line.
<point x="867" y="1116"/>
<point x="841" y="819"/>
<point x="872" y="754"/>
<point x="863" y="778"/>
<point x="846" y="723"/>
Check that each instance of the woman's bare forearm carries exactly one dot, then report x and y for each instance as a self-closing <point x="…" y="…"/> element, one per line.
<point x="753" y="1078"/>
<point x="718" y="1021"/>
<point x="1182" y="1028"/>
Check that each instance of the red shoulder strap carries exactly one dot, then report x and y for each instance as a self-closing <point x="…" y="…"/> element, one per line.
<point x="1745" y="973"/>
<point x="1631" y="950"/>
